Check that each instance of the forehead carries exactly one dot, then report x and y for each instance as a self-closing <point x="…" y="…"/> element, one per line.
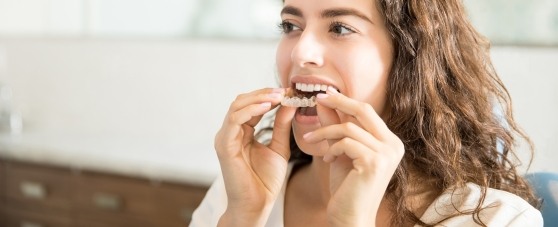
<point x="314" y="8"/>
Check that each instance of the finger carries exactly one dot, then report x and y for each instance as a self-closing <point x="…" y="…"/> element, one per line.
<point x="255" y="120"/>
<point x="233" y="123"/>
<point x="339" y="131"/>
<point x="273" y="95"/>
<point x="327" y="117"/>
<point x="280" y="139"/>
<point x="356" y="151"/>
<point x="244" y="115"/>
<point x="363" y="112"/>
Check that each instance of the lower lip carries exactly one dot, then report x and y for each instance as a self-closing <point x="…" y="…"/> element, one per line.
<point x="304" y="119"/>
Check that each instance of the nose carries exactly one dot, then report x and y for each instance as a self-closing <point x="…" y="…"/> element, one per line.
<point x="308" y="52"/>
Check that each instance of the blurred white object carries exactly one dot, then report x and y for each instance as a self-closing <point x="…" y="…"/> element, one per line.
<point x="151" y="18"/>
<point x="10" y="121"/>
<point x="238" y="19"/>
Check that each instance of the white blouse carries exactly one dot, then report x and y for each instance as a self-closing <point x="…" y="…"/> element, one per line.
<point x="503" y="208"/>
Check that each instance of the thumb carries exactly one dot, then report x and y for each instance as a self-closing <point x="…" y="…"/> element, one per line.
<point x="280" y="139"/>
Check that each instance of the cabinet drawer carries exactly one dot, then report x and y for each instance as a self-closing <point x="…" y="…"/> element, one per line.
<point x="2" y="182"/>
<point x="104" y="220"/>
<point x="37" y="187"/>
<point x="113" y="195"/>
<point x="119" y="200"/>
<point x="19" y="218"/>
<point x="38" y="196"/>
<point x="175" y="204"/>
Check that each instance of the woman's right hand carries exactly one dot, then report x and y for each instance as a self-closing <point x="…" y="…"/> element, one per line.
<point x="253" y="172"/>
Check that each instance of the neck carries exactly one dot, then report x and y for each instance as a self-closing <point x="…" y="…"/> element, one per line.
<point x="316" y="175"/>
<point x="308" y="190"/>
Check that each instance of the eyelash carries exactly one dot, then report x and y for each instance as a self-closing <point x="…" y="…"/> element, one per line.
<point x="286" y="27"/>
<point x="335" y="24"/>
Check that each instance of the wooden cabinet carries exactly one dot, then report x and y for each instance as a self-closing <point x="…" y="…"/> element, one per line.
<point x="37" y="195"/>
<point x="31" y="186"/>
<point x="17" y="217"/>
<point x="2" y="182"/>
<point x="174" y="204"/>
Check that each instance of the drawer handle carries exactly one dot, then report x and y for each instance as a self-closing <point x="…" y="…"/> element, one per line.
<point x="33" y="190"/>
<point x="107" y="201"/>
<point x="30" y="224"/>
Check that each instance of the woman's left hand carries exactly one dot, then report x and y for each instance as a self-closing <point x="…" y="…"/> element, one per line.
<point x="363" y="153"/>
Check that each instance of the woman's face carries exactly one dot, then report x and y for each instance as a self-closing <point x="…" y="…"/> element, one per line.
<point x="339" y="43"/>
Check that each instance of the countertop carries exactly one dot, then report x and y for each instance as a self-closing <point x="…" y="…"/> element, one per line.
<point x="162" y="159"/>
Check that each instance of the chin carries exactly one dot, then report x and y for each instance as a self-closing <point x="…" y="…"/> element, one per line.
<point x="313" y="149"/>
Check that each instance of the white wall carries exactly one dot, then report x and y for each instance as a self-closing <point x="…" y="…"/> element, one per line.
<point x="531" y="76"/>
<point x="181" y="89"/>
<point x="140" y="18"/>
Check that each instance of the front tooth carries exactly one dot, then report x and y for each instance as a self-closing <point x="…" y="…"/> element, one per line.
<point x="306" y="87"/>
<point x="317" y="87"/>
<point x="324" y="87"/>
<point x="310" y="87"/>
<point x="303" y="87"/>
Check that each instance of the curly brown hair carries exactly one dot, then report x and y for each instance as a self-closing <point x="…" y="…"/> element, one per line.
<point x="443" y="91"/>
<point x="442" y="95"/>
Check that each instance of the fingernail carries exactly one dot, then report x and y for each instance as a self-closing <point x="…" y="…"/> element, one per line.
<point x="307" y="135"/>
<point x="332" y="90"/>
<point x="265" y="104"/>
<point x="322" y="95"/>
<point x="278" y="90"/>
<point x="275" y="95"/>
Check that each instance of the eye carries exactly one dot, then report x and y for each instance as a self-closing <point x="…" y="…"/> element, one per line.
<point x="340" y="29"/>
<point x="287" y="27"/>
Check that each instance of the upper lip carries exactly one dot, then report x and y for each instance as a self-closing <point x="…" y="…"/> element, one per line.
<point x="312" y="79"/>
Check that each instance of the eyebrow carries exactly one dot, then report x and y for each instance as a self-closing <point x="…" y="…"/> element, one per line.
<point x="331" y="13"/>
<point x="291" y="10"/>
<point x="328" y="13"/>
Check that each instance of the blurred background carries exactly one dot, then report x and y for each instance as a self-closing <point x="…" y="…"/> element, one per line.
<point x="134" y="90"/>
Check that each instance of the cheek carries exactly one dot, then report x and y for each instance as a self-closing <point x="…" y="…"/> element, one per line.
<point x="367" y="77"/>
<point x="283" y="61"/>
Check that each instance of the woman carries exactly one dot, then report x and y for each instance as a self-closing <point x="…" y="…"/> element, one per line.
<point x="387" y="120"/>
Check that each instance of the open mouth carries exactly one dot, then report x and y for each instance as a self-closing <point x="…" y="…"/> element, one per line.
<point x="304" y="95"/>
